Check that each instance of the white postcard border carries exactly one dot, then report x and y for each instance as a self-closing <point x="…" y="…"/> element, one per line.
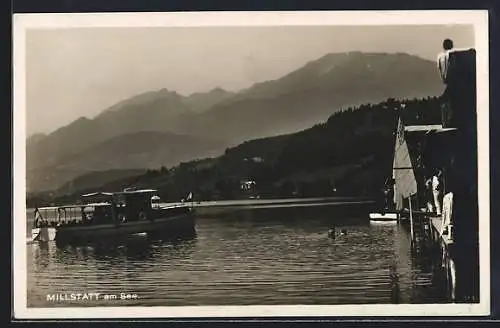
<point x="21" y="22"/>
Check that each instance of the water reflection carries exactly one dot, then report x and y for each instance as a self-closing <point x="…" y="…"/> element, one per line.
<point x="137" y="249"/>
<point x="244" y="257"/>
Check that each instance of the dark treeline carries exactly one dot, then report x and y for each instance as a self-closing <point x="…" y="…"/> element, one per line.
<point x="350" y="154"/>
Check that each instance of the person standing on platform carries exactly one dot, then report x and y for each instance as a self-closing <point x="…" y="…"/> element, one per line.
<point x="443" y="60"/>
<point x="444" y="63"/>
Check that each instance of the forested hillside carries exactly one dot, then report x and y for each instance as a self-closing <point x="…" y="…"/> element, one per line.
<point x="348" y="155"/>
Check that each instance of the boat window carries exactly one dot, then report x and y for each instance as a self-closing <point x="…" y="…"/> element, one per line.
<point x="98" y="214"/>
<point x="155" y="202"/>
<point x="72" y="215"/>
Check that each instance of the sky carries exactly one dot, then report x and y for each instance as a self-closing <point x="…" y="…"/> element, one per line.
<point x="75" y="72"/>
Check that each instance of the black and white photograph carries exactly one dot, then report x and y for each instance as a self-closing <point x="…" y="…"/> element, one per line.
<point x="251" y="164"/>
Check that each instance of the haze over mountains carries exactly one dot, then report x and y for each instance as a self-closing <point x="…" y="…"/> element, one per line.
<point x="163" y="128"/>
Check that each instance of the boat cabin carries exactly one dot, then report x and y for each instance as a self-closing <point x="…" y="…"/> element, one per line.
<point x="134" y="205"/>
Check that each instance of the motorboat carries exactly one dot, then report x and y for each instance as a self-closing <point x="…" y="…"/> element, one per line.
<point x="125" y="213"/>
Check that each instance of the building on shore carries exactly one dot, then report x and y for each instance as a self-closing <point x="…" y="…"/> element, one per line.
<point x="249" y="188"/>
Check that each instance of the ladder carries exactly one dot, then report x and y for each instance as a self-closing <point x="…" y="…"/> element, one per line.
<point x="420" y="233"/>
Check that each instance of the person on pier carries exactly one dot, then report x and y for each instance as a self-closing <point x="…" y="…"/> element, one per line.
<point x="389" y="194"/>
<point x="436" y="190"/>
<point x="429" y="198"/>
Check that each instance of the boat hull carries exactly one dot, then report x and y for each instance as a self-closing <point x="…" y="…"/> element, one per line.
<point x="44" y="234"/>
<point x="162" y="227"/>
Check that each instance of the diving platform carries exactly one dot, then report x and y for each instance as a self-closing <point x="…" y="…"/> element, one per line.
<point x="432" y="128"/>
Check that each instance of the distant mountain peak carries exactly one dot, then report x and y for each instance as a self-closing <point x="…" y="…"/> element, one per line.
<point x="216" y="90"/>
<point x="82" y="119"/>
<point x="219" y="89"/>
<point x="169" y="92"/>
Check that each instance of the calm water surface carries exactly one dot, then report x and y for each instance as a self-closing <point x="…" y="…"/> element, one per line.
<point x="268" y="256"/>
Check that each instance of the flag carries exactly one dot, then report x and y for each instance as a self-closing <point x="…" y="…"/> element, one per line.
<point x="38" y="215"/>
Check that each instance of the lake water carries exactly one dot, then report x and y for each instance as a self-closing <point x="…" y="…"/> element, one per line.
<point x="243" y="257"/>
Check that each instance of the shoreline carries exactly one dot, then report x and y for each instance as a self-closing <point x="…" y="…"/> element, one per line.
<point x="253" y="203"/>
<point x="273" y="202"/>
<point x="203" y="208"/>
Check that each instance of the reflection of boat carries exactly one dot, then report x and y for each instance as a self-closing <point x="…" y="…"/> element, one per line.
<point x="127" y="247"/>
<point x="116" y="214"/>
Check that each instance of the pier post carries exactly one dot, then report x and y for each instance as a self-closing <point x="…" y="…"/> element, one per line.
<point x="453" y="279"/>
<point x="411" y="223"/>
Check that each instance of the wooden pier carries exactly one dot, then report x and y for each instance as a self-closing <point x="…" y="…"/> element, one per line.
<point x="444" y="245"/>
<point x="455" y="263"/>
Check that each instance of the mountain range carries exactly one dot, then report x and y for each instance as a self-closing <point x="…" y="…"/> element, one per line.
<point x="163" y="128"/>
<point x="348" y="155"/>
